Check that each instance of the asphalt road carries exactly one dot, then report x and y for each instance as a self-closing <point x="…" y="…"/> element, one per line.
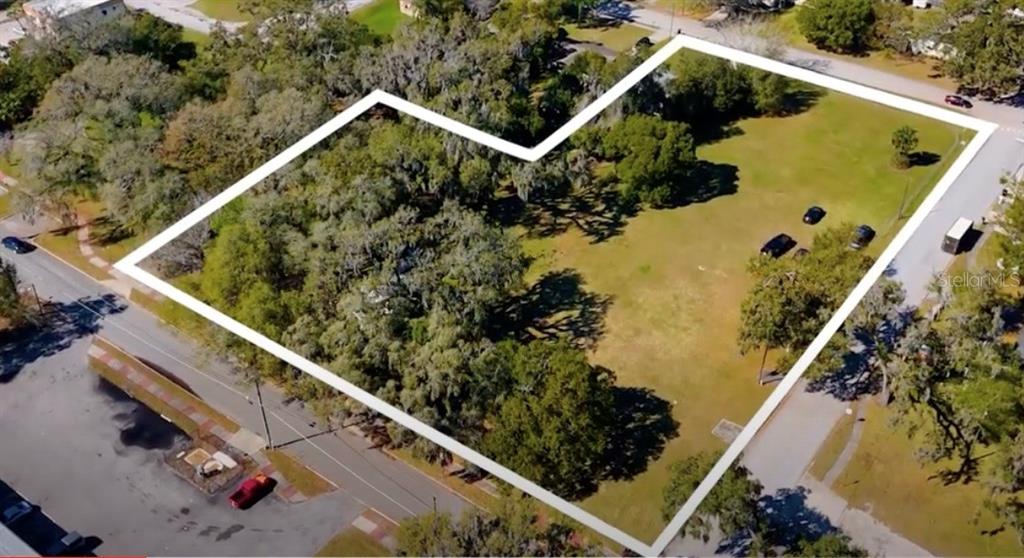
<point x="367" y="475"/>
<point x="90" y="458"/>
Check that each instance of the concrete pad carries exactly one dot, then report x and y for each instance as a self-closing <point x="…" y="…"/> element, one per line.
<point x="364" y="525"/>
<point x="246" y="440"/>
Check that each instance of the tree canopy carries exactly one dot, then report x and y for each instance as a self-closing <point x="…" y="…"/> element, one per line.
<point x="838" y="25"/>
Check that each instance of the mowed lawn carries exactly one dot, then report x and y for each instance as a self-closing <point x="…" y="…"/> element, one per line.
<point x="619" y="38"/>
<point x="886" y="478"/>
<point x="676" y="277"/>
<point x="381" y="16"/>
<point x="224" y="10"/>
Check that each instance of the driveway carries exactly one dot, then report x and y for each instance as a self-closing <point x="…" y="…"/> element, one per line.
<point x="91" y="459"/>
<point x="182" y="13"/>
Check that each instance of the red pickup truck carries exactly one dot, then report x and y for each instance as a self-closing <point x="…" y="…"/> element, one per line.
<point x="250" y="491"/>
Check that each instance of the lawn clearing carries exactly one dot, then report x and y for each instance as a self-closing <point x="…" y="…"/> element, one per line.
<point x="674" y="278"/>
<point x="619" y="37"/>
<point x="305" y="480"/>
<point x="353" y="542"/>
<point x="381" y="16"/>
<point x="63" y="241"/>
<point x="224" y="10"/>
<point x="198" y="38"/>
<point x="697" y="9"/>
<point x="829" y="452"/>
<point x="886" y="479"/>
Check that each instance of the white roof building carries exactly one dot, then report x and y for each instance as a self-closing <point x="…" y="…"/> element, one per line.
<point x="42" y="15"/>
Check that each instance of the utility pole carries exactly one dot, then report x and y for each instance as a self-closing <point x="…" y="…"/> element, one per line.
<point x="263" y="413"/>
<point x="672" y="19"/>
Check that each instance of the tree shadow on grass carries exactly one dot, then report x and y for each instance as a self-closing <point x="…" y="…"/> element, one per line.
<point x="801" y="100"/>
<point x="556" y="306"/>
<point x="106" y="231"/>
<point x="924" y="158"/>
<point x="643" y="425"/>
<point x="710" y="180"/>
<point x="598" y="211"/>
<point x="59" y="328"/>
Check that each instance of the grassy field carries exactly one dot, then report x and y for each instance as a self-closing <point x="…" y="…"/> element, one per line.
<point x="921" y="69"/>
<point x="885" y="478"/>
<point x="304" y="479"/>
<point x="618" y="38"/>
<point x="224" y="10"/>
<point x="674" y="278"/>
<point x="381" y="16"/>
<point x="63" y="241"/>
<point x="198" y="38"/>
<point x="829" y="452"/>
<point x="697" y="9"/>
<point x="353" y="542"/>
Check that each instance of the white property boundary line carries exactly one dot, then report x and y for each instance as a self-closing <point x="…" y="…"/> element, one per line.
<point x="130" y="264"/>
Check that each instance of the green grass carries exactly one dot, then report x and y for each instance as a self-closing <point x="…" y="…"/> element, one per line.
<point x="304" y="479"/>
<point x="886" y="479"/>
<point x="174" y="314"/>
<point x="63" y="243"/>
<point x="829" y="452"/>
<point x="224" y="10"/>
<point x="618" y="38"/>
<point x="353" y="542"/>
<point x="381" y="16"/>
<point x="5" y="205"/>
<point x="697" y="9"/>
<point x="200" y="39"/>
<point x="8" y="166"/>
<point x="166" y="384"/>
<point x="676" y="277"/>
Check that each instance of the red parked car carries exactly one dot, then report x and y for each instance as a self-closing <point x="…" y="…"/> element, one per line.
<point x="251" y="491"/>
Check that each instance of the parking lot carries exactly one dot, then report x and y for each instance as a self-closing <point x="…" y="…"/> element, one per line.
<point x="90" y="459"/>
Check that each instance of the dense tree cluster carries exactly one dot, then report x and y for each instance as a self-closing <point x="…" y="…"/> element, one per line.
<point x="383" y="252"/>
<point x="12" y="308"/>
<point x="514" y="529"/>
<point x="982" y="41"/>
<point x="839" y="25"/>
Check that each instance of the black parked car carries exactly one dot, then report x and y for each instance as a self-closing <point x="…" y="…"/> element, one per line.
<point x="814" y="215"/>
<point x="958" y="101"/>
<point x="16" y="245"/>
<point x="778" y="245"/>
<point x="862" y="237"/>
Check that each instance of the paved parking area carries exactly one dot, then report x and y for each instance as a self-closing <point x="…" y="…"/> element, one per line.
<point x="90" y="458"/>
<point x="10" y="31"/>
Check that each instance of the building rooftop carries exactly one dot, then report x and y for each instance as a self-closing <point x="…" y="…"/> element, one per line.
<point x="12" y="545"/>
<point x="62" y="8"/>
